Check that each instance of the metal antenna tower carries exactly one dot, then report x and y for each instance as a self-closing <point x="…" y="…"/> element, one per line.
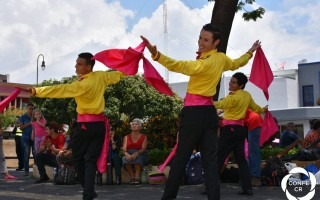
<point x="165" y="36"/>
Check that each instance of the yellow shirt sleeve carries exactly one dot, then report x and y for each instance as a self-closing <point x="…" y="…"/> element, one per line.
<point x="255" y="107"/>
<point x="88" y="92"/>
<point x="205" y="72"/>
<point x="236" y="104"/>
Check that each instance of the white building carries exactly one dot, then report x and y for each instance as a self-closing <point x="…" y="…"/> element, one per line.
<point x="292" y="95"/>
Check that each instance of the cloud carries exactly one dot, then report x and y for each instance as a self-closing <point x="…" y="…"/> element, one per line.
<point x="57" y="29"/>
<point x="287" y="35"/>
<point x="60" y="30"/>
<point x="183" y="25"/>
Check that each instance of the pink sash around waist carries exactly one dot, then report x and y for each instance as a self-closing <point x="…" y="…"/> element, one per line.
<point x="91" y="117"/>
<point x="197" y="100"/>
<point x="232" y="122"/>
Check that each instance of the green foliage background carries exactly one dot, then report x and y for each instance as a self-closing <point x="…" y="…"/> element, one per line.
<point x="269" y="151"/>
<point x="128" y="99"/>
<point x="8" y="116"/>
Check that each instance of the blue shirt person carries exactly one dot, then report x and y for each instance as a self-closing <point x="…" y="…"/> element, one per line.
<point x="27" y="143"/>
<point x="288" y="136"/>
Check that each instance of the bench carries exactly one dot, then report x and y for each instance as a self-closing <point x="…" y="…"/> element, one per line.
<point x="124" y="175"/>
<point x="49" y="170"/>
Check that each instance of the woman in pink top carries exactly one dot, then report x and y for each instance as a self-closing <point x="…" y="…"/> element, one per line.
<point x="38" y="129"/>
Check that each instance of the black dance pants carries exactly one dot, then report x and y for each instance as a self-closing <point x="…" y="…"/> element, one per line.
<point x="198" y="128"/>
<point x="86" y="144"/>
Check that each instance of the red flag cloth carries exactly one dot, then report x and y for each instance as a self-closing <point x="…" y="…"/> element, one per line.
<point x="102" y="160"/>
<point x="169" y="158"/>
<point x="8" y="99"/>
<point x="269" y="127"/>
<point x="261" y="74"/>
<point x="127" y="61"/>
<point x="140" y="47"/>
<point x="154" y="79"/>
<point x="123" y="60"/>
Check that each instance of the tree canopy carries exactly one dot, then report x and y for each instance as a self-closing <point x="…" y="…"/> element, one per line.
<point x="130" y="98"/>
<point x="248" y="15"/>
<point x="223" y="14"/>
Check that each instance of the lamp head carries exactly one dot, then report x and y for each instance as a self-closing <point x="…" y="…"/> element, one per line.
<point x="43" y="65"/>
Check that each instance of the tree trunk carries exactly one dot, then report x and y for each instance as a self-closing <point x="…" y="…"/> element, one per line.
<point x="223" y="15"/>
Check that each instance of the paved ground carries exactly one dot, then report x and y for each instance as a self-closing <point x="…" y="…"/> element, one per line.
<point x="24" y="188"/>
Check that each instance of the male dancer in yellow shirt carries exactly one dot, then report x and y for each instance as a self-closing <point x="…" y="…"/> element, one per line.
<point x="88" y="138"/>
<point x="233" y="133"/>
<point x="199" y="120"/>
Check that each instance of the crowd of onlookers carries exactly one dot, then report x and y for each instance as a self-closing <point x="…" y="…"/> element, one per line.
<point x="290" y="138"/>
<point x="51" y="145"/>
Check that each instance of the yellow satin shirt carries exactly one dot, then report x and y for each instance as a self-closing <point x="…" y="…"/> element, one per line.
<point x="204" y="72"/>
<point x="88" y="92"/>
<point x="235" y="105"/>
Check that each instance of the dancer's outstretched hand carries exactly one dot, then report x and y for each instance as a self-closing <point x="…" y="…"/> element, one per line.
<point x="152" y="48"/>
<point x="255" y="46"/>
<point x="29" y="90"/>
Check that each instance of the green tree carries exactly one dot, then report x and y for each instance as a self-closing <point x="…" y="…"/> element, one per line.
<point x="61" y="110"/>
<point x="134" y="98"/>
<point x="130" y="98"/>
<point x="9" y="115"/>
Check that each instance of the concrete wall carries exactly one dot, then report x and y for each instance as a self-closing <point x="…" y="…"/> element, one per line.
<point x="283" y="92"/>
<point x="309" y="74"/>
<point x="9" y="148"/>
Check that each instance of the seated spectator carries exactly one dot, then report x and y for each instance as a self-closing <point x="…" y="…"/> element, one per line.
<point x="113" y="158"/>
<point x="3" y="166"/>
<point x="64" y="157"/>
<point x="50" y="147"/>
<point x="288" y="136"/>
<point x="313" y="136"/>
<point x="134" y="145"/>
<point x="114" y="147"/>
<point x="311" y="121"/>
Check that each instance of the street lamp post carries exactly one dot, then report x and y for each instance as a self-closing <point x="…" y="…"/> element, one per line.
<point x="43" y="65"/>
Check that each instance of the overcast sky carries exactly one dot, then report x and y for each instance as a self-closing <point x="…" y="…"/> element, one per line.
<point x="61" y="29"/>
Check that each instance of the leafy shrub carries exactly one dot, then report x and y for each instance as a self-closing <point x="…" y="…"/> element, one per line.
<point x="270" y="151"/>
<point x="8" y="117"/>
<point x="157" y="156"/>
<point x="130" y="98"/>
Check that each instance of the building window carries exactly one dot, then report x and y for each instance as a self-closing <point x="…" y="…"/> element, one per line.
<point x="298" y="129"/>
<point x="307" y="93"/>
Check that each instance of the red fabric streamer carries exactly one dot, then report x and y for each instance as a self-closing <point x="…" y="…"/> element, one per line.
<point x="102" y="160"/>
<point x="261" y="74"/>
<point x="140" y="48"/>
<point x="269" y="127"/>
<point x="169" y="158"/>
<point x="123" y="60"/>
<point x="127" y="61"/>
<point x="154" y="79"/>
<point x="8" y="99"/>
